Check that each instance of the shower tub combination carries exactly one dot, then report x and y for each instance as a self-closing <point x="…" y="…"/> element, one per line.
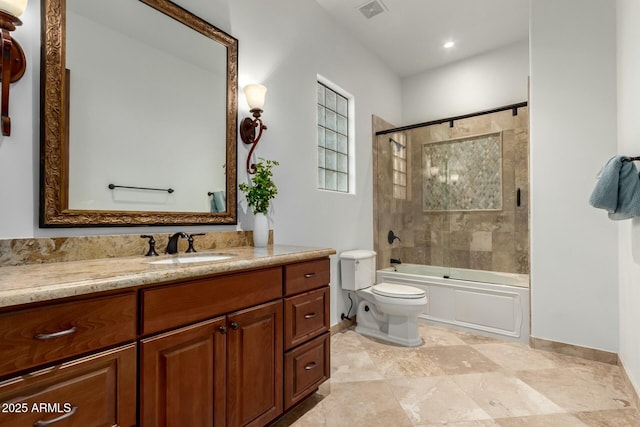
<point x="489" y="303"/>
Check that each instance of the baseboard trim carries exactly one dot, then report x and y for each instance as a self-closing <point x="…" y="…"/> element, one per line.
<point x="630" y="386"/>
<point x="342" y="325"/>
<point x="574" y="350"/>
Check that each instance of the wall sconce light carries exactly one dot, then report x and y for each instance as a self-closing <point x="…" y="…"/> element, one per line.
<point x="251" y="129"/>
<point x="14" y="62"/>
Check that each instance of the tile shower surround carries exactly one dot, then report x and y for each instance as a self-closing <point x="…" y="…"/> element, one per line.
<point x="485" y="240"/>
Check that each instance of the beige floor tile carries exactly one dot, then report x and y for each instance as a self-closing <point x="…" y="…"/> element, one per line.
<point x="356" y="366"/>
<point x="346" y="340"/>
<point x="350" y="361"/>
<point x="370" y="404"/>
<point x="433" y="400"/>
<point x="460" y="359"/>
<point x="483" y="423"/>
<point x="502" y="396"/>
<point x="469" y="338"/>
<point x="392" y="362"/>
<point x="462" y="380"/>
<point x="558" y="420"/>
<point x="614" y="418"/>
<point x="516" y="357"/>
<point x="437" y="336"/>
<point x="580" y="388"/>
<point x="307" y="414"/>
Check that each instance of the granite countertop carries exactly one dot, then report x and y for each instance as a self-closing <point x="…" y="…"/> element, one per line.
<point x="43" y="282"/>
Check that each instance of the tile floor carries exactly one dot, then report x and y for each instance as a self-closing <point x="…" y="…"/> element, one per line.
<point x="462" y="380"/>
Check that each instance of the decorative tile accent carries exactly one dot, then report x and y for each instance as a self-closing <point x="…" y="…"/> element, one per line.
<point x="463" y="174"/>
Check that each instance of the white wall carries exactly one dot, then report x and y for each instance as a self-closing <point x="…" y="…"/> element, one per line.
<point x="482" y="82"/>
<point x="19" y="152"/>
<point x="574" y="249"/>
<point x="283" y="44"/>
<point x="286" y="55"/>
<point x="629" y="143"/>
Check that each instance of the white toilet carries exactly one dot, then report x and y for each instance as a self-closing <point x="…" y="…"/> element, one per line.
<point x="386" y="311"/>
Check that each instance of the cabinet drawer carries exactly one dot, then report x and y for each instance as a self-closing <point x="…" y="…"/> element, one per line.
<point x="305" y="316"/>
<point x="306" y="276"/>
<point x="197" y="300"/>
<point x="34" y="337"/>
<point x="305" y="368"/>
<point x="95" y="391"/>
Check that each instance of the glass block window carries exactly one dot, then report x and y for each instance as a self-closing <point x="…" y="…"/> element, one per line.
<point x="399" y="154"/>
<point x="333" y="140"/>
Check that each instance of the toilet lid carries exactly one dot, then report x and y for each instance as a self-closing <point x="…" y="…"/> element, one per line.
<point x="393" y="290"/>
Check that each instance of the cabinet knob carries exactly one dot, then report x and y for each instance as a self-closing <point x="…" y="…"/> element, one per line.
<point x="234" y="326"/>
<point x="223" y="329"/>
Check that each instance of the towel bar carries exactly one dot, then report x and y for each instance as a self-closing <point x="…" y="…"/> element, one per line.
<point x="113" y="186"/>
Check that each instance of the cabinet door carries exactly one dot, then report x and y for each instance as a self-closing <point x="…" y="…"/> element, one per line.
<point x="183" y="376"/>
<point x="255" y="365"/>
<point x="94" y="391"/>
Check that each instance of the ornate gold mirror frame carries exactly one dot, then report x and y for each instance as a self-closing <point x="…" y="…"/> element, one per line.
<point x="54" y="131"/>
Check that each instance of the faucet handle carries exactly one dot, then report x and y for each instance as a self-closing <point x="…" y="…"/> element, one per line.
<point x="152" y="245"/>
<point x="190" y="240"/>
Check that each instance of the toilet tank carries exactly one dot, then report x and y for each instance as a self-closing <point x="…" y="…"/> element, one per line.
<point x="358" y="269"/>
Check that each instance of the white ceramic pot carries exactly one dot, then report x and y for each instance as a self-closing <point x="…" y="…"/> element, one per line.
<point x="260" y="230"/>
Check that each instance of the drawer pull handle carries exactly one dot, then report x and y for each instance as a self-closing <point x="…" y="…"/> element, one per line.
<point x="310" y="366"/>
<point x="64" y="333"/>
<point x="310" y="315"/>
<point x="56" y="420"/>
<point x="309" y="275"/>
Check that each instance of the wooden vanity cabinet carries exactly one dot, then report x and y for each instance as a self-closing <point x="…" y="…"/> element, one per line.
<point x="183" y="376"/>
<point x="226" y="371"/>
<point x="306" y="332"/>
<point x="232" y="350"/>
<point x="42" y="335"/>
<point x="93" y="391"/>
<point x="76" y="378"/>
<point x="254" y="361"/>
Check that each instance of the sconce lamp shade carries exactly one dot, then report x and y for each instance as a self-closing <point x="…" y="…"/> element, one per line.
<point x="13" y="7"/>
<point x="255" y="94"/>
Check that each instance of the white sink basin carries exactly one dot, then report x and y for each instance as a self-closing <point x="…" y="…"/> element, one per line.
<point x="189" y="259"/>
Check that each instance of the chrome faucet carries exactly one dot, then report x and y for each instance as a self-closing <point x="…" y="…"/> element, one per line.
<point x="172" y="246"/>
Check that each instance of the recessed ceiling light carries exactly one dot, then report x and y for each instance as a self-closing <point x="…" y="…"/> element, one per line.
<point x="449" y="45"/>
<point x="372" y="8"/>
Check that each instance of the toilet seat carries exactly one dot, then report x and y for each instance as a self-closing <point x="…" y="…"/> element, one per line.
<point x="393" y="290"/>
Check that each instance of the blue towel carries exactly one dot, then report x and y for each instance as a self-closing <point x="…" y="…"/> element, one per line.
<point x="618" y="189"/>
<point x="218" y="202"/>
<point x="221" y="200"/>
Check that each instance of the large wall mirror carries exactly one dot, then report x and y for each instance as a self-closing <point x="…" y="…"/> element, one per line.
<point x="139" y="113"/>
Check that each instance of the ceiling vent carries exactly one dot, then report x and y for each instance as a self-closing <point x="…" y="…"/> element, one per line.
<point x="372" y="8"/>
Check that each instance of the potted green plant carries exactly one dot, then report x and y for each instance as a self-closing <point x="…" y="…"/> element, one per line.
<point x="259" y="195"/>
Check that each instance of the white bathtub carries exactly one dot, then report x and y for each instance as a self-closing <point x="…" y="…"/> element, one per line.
<point x="485" y="302"/>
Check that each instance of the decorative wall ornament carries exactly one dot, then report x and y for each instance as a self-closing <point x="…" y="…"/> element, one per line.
<point x="463" y="174"/>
